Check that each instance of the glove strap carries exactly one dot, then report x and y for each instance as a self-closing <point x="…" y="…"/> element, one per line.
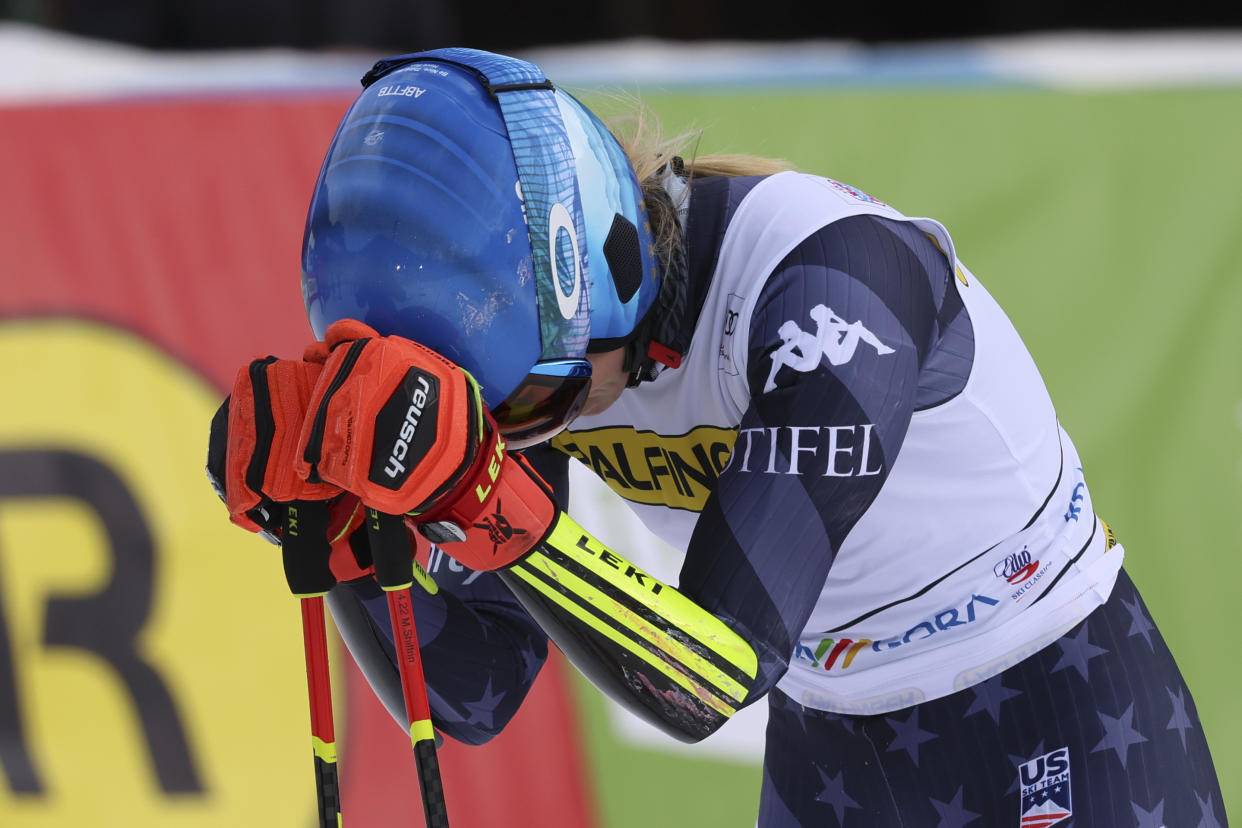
<point x="305" y="548"/>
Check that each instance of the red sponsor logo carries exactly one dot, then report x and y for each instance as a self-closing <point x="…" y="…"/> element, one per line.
<point x="1017" y="567"/>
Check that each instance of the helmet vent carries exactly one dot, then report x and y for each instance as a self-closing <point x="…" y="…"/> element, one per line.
<point x="625" y="260"/>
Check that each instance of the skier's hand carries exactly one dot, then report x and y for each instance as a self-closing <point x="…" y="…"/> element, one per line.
<point x="405" y="430"/>
<point x="254" y="437"/>
<point x="391" y="421"/>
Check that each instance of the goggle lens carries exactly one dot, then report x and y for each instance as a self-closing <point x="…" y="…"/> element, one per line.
<point x="544" y="403"/>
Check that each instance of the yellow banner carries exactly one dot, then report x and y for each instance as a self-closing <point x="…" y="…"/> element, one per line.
<point x="151" y="650"/>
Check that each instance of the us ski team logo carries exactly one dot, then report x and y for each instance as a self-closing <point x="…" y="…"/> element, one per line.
<point x="1046" y="790"/>
<point x="833" y="338"/>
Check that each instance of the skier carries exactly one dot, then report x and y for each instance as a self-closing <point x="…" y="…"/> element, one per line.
<point x="887" y="534"/>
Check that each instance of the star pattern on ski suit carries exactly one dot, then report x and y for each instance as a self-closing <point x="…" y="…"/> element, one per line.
<point x="1208" y="809"/>
<point x="1149" y="819"/>
<point x="1140" y="624"/>
<point x="1019" y="761"/>
<point x="909" y="736"/>
<point x="800" y="716"/>
<point x="952" y="814"/>
<point x="1180" y="720"/>
<point x="834" y="794"/>
<point x="1076" y="652"/>
<point x="1119" y="734"/>
<point x="989" y="696"/>
<point x="483" y="711"/>
<point x="441" y="709"/>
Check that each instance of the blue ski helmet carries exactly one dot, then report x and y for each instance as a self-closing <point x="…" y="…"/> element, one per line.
<point x="468" y="204"/>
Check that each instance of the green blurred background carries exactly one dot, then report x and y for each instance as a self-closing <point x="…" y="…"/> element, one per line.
<point x="1107" y="224"/>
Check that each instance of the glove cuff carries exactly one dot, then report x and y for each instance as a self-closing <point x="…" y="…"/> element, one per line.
<point x="507" y="511"/>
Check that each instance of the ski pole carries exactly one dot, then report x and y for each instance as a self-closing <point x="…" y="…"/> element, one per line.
<point x="394" y="571"/>
<point x="306" y="552"/>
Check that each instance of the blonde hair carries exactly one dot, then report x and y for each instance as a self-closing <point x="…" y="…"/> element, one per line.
<point x="641" y="135"/>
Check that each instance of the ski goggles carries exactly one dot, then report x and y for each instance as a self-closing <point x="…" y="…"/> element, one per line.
<point x="544" y="402"/>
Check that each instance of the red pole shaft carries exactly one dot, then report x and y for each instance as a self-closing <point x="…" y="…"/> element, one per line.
<point x="323" y="732"/>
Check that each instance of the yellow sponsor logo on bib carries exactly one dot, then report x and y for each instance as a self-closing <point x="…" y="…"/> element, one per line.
<point x="678" y="471"/>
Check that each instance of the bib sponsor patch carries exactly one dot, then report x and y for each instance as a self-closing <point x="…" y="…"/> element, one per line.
<point x="1045" y="784"/>
<point x="678" y="471"/>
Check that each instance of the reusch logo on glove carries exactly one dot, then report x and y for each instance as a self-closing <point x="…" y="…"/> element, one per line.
<point x="405" y="429"/>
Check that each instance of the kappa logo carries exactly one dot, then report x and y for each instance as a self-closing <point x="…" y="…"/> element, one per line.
<point x="834" y="338"/>
<point x="1045" y="784"/>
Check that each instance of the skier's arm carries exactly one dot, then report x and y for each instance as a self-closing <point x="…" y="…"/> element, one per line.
<point x="816" y="446"/>
<point x="637" y="639"/>
<point x="634" y="637"/>
<point x="480" y="649"/>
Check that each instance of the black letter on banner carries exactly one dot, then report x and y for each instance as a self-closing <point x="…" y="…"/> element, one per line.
<point x="106" y="623"/>
<point x="14" y="757"/>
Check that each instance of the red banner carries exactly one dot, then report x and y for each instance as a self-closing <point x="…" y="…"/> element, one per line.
<point x="179" y="223"/>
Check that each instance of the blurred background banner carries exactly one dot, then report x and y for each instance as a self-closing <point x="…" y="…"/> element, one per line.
<point x="151" y="220"/>
<point x="150" y="654"/>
